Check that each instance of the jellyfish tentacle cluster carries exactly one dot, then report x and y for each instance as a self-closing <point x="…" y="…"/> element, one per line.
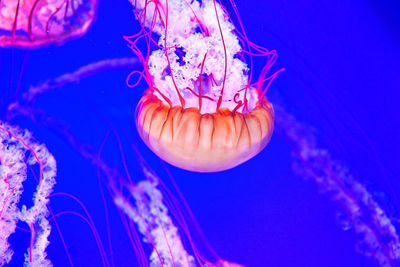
<point x="151" y="216"/>
<point x="14" y="144"/>
<point x="358" y="209"/>
<point x="200" y="112"/>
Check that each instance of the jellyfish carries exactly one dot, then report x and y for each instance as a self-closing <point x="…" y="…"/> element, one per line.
<point x="262" y="212"/>
<point x="36" y="23"/>
<point x="200" y="113"/>
<point x="26" y="25"/>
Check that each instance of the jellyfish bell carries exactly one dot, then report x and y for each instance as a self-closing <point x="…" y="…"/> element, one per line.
<point x="200" y="112"/>
<point x="203" y="142"/>
<point x="33" y="23"/>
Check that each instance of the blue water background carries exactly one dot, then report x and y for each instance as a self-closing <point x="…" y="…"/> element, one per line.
<point x="342" y="62"/>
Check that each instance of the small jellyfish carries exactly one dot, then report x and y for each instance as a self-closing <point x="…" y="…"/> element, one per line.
<point x="200" y="112"/>
<point x="33" y="23"/>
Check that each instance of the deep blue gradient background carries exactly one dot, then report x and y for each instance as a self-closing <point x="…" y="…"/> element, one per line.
<point x="342" y="78"/>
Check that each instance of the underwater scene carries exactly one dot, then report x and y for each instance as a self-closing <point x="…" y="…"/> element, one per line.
<point x="199" y="133"/>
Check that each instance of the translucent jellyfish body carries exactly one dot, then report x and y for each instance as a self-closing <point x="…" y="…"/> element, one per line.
<point x="203" y="142"/>
<point x="200" y="112"/>
<point x="33" y="23"/>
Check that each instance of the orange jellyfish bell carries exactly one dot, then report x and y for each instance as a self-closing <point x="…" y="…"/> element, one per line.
<point x="203" y="142"/>
<point x="200" y="112"/>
